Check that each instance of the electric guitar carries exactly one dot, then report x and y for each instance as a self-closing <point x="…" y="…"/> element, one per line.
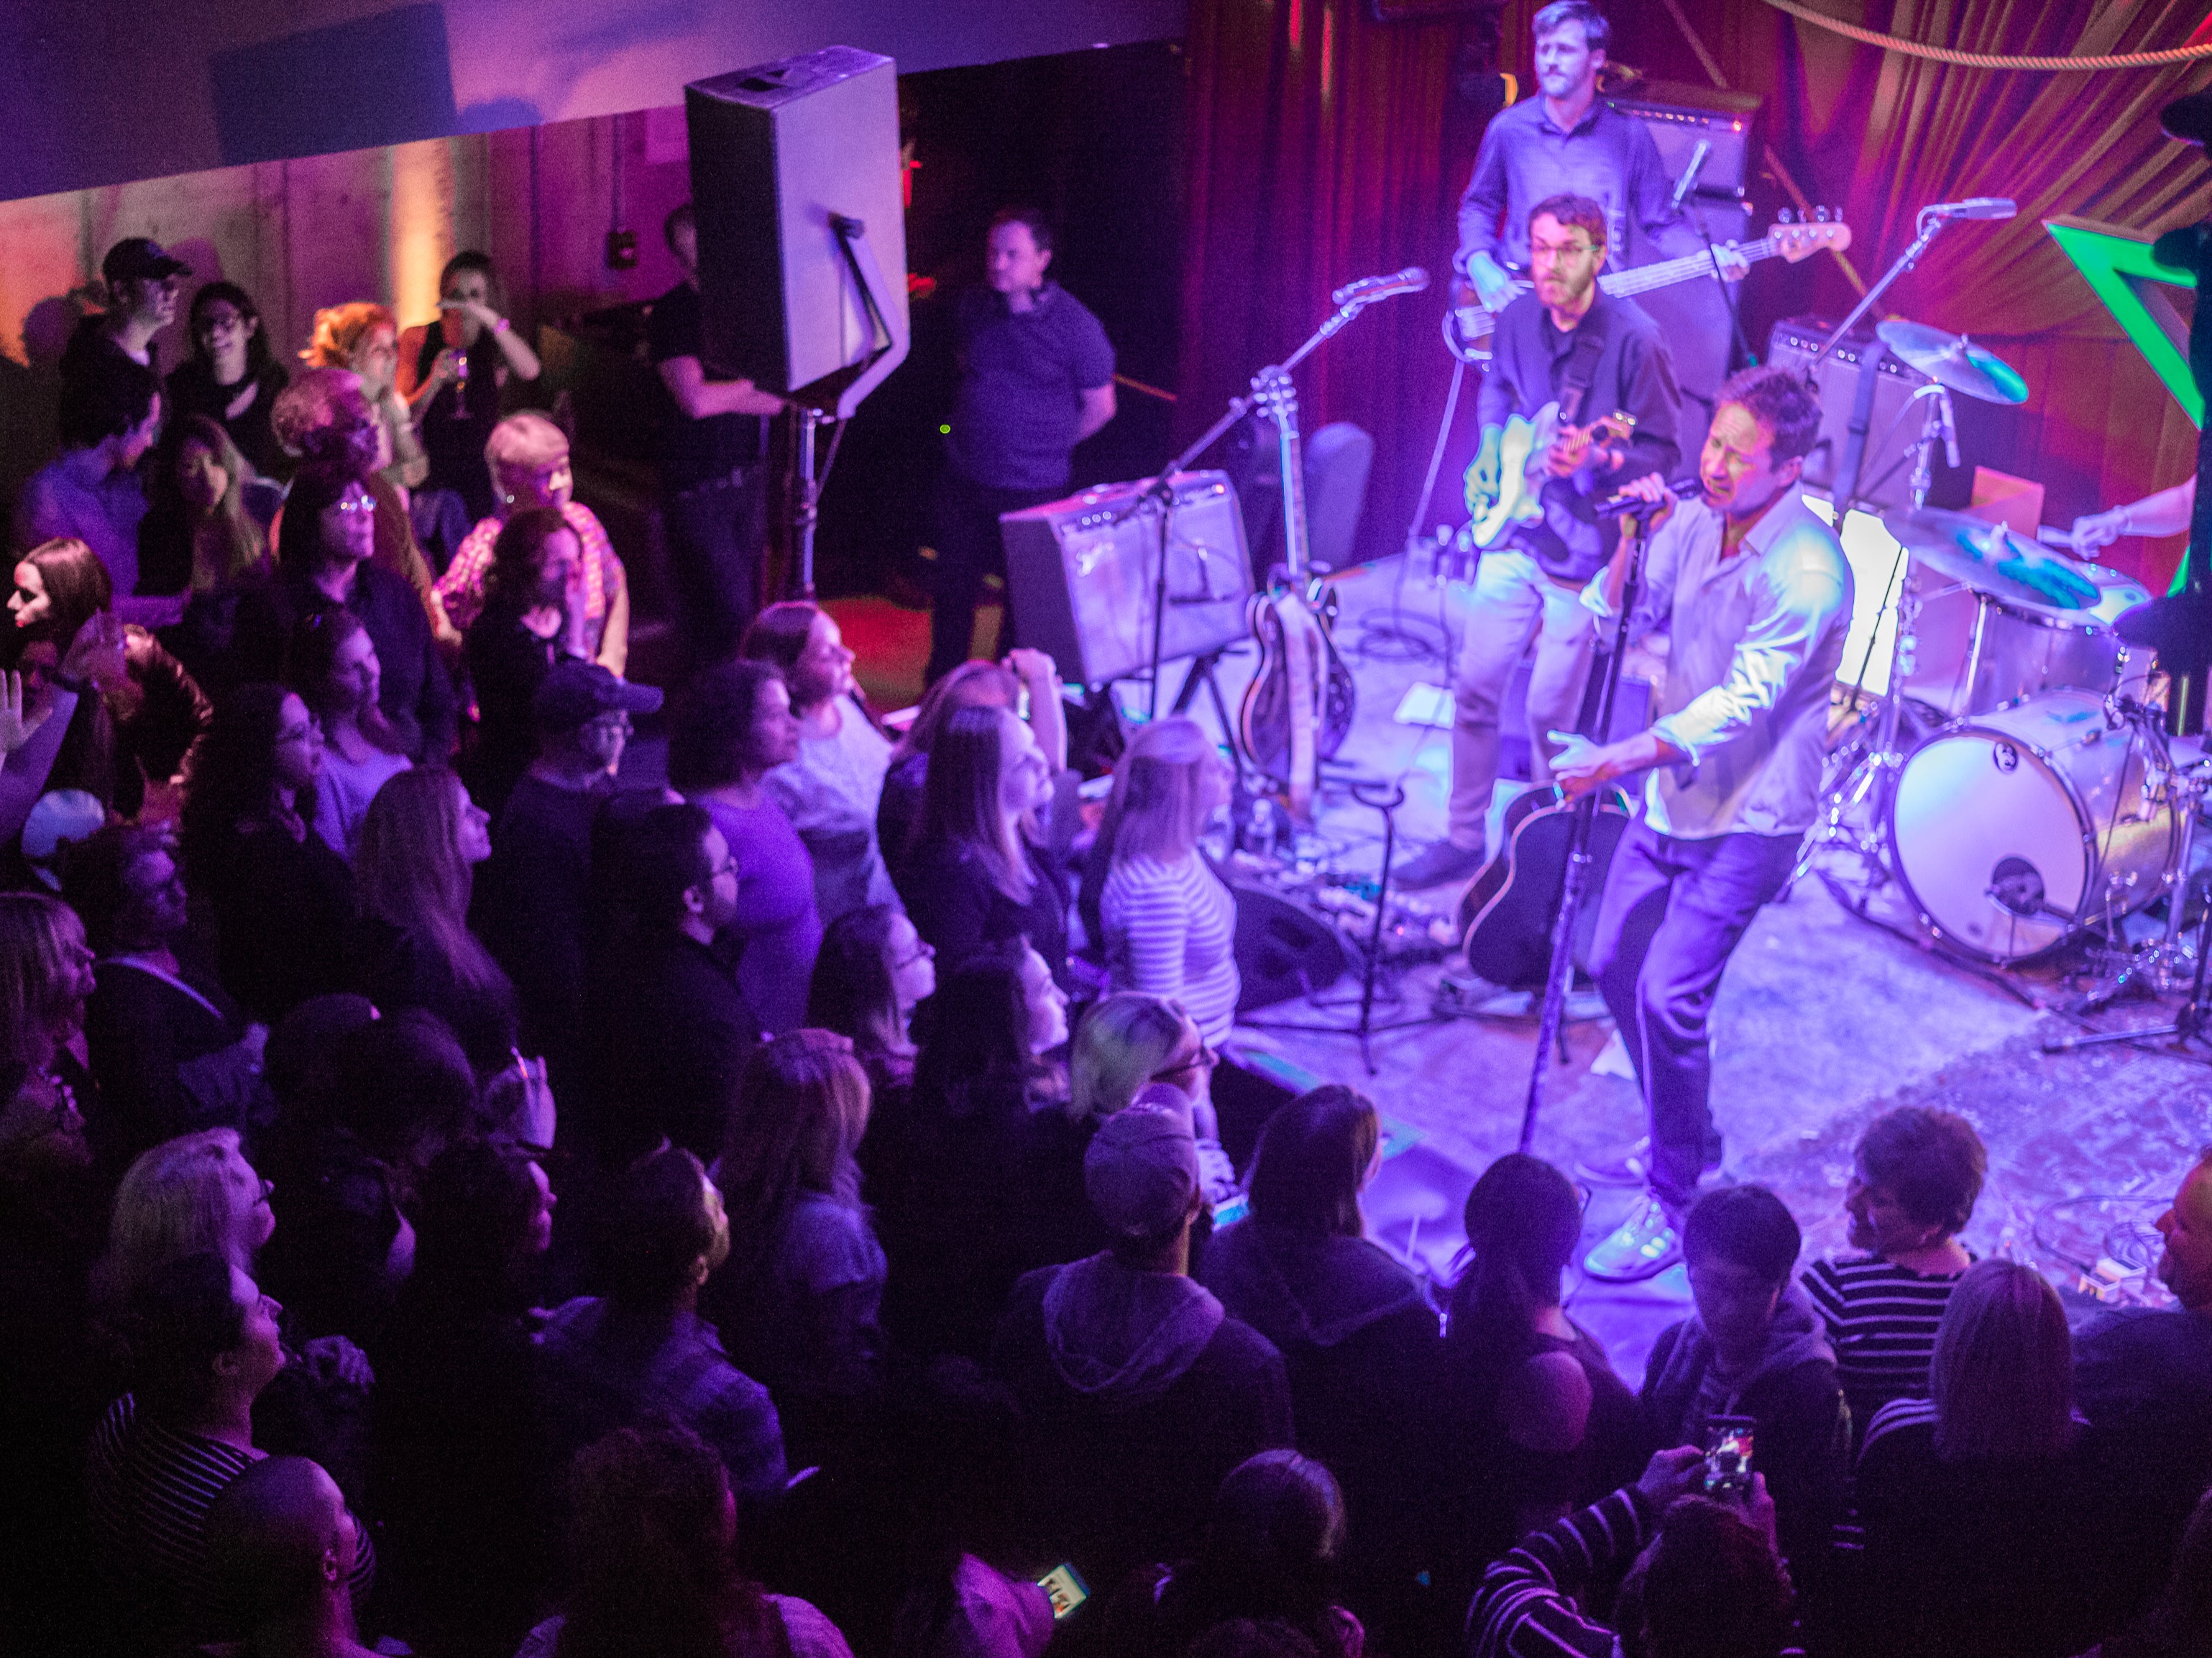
<point x="1524" y="469"/>
<point x="1469" y="329"/>
<point x="1299" y="706"/>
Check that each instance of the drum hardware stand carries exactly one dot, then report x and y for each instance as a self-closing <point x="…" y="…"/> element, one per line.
<point x="2192" y="1020"/>
<point x="1871" y="783"/>
<point x="1385" y="797"/>
<point x="2172" y="960"/>
<point x="1575" y="879"/>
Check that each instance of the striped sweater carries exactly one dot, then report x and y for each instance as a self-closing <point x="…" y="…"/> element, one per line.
<point x="1171" y="931"/>
<point x="1881" y="1319"/>
<point x="1529" y="1603"/>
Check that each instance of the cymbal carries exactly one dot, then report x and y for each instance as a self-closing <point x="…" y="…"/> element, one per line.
<point x="1991" y="559"/>
<point x="1956" y="360"/>
<point x="2178" y="627"/>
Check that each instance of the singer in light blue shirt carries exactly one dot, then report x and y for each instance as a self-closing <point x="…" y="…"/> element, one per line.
<point x="1757" y="595"/>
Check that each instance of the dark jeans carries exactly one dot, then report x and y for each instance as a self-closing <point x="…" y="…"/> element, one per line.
<point x="964" y="529"/>
<point x="1671" y="916"/>
<point x="714" y="535"/>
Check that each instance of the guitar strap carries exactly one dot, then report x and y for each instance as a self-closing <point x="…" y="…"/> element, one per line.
<point x="1582" y="366"/>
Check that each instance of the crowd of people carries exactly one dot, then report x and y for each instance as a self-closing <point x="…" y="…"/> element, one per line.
<point x="458" y="1197"/>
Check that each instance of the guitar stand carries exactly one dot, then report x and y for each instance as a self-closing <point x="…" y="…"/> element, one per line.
<point x="1385" y="797"/>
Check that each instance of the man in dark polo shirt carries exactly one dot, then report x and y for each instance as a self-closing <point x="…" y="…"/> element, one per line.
<point x="1036" y="377"/>
<point x="713" y="474"/>
<point x="1528" y="591"/>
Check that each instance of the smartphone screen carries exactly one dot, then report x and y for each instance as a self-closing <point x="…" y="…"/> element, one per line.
<point x="1728" y="1454"/>
<point x="1064" y="1585"/>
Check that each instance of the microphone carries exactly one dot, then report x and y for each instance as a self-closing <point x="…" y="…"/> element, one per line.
<point x="1691" y="488"/>
<point x="1977" y="207"/>
<point x="1412" y="279"/>
<point x="1950" y="428"/>
<point x="1683" y="184"/>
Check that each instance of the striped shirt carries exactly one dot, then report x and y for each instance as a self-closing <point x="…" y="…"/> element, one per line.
<point x="462" y="586"/>
<point x="148" y="1489"/>
<point x="1529" y="1603"/>
<point x="1882" y="1321"/>
<point x="1171" y="931"/>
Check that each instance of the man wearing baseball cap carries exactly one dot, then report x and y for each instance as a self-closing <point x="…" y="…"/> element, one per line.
<point x="142" y="280"/>
<point x="1139" y="1392"/>
<point x="533" y="894"/>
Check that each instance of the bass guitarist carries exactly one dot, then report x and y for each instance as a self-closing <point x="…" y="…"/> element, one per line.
<point x="1592" y="355"/>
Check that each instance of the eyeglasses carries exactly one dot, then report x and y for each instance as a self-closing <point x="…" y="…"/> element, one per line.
<point x="727" y="866"/>
<point x="360" y="503"/>
<point x="310" y="732"/>
<point x="610" y="722"/>
<point x="1205" y="1059"/>
<point x="923" y="951"/>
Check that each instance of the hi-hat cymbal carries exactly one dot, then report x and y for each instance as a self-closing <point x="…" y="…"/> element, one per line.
<point x="1956" y="360"/>
<point x="1991" y="559"/>
<point x="2178" y="627"/>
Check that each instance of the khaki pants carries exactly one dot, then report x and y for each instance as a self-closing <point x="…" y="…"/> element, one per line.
<point x="1512" y="604"/>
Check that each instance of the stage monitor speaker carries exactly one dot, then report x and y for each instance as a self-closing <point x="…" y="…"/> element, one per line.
<point x="1080" y="574"/>
<point x="776" y="152"/>
<point x="1283" y="951"/>
<point x="1886" y="474"/>
<point x="1677" y="117"/>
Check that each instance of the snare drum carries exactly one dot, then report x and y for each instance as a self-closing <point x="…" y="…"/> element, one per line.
<point x="2013" y="829"/>
<point x="1974" y="652"/>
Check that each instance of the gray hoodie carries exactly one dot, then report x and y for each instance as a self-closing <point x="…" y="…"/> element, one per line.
<point x="1121" y="1336"/>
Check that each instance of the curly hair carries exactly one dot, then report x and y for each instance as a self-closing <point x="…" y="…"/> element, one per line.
<point x="339" y="330"/>
<point x="711" y="740"/>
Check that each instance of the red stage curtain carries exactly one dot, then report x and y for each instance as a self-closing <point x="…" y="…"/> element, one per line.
<point x="1317" y="153"/>
<point x="1316" y="156"/>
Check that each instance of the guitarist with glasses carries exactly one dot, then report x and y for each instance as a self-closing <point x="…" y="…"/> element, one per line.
<point x="1583" y="357"/>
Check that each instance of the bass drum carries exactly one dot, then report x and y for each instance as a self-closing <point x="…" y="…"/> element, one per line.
<point x="2026" y="824"/>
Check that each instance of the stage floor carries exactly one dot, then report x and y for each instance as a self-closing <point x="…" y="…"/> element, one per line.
<point x="1822" y="1021"/>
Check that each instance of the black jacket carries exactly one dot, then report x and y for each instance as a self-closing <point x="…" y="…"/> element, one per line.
<point x="959" y="910"/>
<point x="416" y="693"/>
<point x="675" y="1036"/>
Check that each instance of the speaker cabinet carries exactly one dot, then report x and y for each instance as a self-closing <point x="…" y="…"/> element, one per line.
<point x="1080" y="574"/>
<point x="776" y="152"/>
<point x="1679" y="116"/>
<point x="1886" y="474"/>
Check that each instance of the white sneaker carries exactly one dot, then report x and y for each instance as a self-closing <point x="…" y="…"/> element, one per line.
<point x="1643" y="1246"/>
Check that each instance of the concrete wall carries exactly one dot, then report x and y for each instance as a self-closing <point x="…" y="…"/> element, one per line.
<point x="98" y="91"/>
<point x="370" y="224"/>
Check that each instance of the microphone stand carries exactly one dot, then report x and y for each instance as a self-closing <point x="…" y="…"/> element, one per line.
<point x="1575" y="880"/>
<point x="1160" y="491"/>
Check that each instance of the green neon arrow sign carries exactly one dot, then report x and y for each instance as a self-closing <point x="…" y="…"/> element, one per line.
<point x="2118" y="266"/>
<point x="2119" y="270"/>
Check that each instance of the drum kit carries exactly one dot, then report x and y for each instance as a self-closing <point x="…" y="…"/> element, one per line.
<point x="2015" y="778"/>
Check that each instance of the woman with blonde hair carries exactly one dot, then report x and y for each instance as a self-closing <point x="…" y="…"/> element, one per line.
<point x="420" y="844"/>
<point x="799" y="1298"/>
<point x="1166" y="921"/>
<point x="196" y="1193"/>
<point x="527" y="457"/>
<point x="1984" y="1507"/>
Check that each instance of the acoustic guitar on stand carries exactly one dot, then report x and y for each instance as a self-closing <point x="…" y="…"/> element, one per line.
<point x="1468" y="327"/>
<point x="1299" y="706"/>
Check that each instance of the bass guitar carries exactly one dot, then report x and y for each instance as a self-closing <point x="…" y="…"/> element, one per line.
<point x="1470" y="325"/>
<point x="1524" y="469"/>
<point x="1299" y="706"/>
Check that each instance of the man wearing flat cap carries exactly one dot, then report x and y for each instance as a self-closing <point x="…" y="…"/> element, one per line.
<point x="1137" y="1391"/>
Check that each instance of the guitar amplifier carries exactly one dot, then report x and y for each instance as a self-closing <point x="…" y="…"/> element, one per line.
<point x="1886" y="473"/>
<point x="1080" y="574"/>
<point x="1678" y="116"/>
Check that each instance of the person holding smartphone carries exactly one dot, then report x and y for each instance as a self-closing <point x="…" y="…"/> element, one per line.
<point x="1754" y="1348"/>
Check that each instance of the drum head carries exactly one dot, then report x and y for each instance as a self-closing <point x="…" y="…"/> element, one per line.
<point x="1990" y="844"/>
